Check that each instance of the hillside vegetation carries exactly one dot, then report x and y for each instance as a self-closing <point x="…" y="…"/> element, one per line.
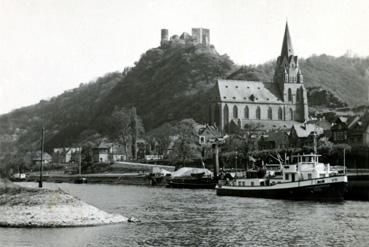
<point x="167" y="84"/>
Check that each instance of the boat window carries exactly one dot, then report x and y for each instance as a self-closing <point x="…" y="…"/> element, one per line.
<point x="309" y="176"/>
<point x="262" y="183"/>
<point x="243" y="183"/>
<point x="252" y="183"/>
<point x="239" y="183"/>
<point x="286" y="176"/>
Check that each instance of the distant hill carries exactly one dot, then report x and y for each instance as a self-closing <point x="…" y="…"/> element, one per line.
<point x="167" y="84"/>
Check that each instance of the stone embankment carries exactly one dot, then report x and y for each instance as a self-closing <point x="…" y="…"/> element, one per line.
<point x="28" y="207"/>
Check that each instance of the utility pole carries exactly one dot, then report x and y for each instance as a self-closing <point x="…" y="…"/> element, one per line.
<point x="236" y="164"/>
<point x="216" y="170"/>
<point x="344" y="160"/>
<point x="41" y="156"/>
<point x="79" y="161"/>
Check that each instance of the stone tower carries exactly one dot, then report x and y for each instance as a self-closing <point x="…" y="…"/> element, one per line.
<point x="164" y="36"/>
<point x="290" y="80"/>
<point x="201" y="36"/>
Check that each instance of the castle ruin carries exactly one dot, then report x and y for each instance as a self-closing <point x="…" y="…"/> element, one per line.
<point x="199" y="36"/>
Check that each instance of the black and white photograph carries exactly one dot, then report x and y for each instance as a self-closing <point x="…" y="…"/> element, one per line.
<point x="184" y="123"/>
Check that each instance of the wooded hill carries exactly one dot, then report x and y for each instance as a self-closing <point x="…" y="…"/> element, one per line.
<point x="167" y="84"/>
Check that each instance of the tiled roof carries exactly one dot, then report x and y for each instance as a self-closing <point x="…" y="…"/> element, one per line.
<point x="104" y="145"/>
<point x="37" y="156"/>
<point x="248" y="91"/>
<point x="304" y="130"/>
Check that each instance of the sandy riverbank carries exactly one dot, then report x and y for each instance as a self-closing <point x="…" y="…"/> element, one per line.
<point x="28" y="207"/>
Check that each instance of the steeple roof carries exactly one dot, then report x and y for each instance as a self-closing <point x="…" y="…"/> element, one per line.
<point x="287" y="49"/>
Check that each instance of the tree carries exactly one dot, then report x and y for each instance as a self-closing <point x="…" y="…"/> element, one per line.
<point x="125" y="126"/>
<point x="185" y="147"/>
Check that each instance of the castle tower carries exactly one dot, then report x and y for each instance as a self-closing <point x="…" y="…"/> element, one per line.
<point x="201" y="36"/>
<point x="164" y="36"/>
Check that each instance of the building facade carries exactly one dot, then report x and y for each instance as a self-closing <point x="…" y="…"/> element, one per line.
<point x="279" y="103"/>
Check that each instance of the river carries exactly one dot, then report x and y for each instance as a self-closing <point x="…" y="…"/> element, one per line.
<point x="176" y="217"/>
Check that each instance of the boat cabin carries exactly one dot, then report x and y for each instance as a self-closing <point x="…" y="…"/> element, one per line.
<point x="305" y="167"/>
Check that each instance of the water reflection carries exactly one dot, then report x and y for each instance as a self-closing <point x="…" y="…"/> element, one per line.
<point x="174" y="217"/>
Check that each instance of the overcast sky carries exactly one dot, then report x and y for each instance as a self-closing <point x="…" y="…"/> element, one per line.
<point x="48" y="46"/>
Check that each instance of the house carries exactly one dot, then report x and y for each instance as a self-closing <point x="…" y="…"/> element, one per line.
<point x="273" y="140"/>
<point x="281" y="102"/>
<point x="303" y="135"/>
<point x="339" y="130"/>
<point x="358" y="131"/>
<point x="109" y="152"/>
<point x="207" y="133"/>
<point x="36" y="158"/>
<point x="66" y="154"/>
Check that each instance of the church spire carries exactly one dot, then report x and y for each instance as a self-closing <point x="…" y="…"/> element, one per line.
<point x="287" y="49"/>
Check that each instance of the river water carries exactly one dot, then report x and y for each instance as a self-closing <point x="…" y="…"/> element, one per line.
<point x="182" y="217"/>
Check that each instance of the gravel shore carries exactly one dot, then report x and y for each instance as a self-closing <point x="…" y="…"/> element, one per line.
<point x="28" y="207"/>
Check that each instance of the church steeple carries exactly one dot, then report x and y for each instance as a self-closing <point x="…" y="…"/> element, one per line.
<point x="287" y="49"/>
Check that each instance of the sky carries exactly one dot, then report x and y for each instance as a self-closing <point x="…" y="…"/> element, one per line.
<point x="49" y="46"/>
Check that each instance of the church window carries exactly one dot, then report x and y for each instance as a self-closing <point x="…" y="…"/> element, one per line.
<point x="235" y="112"/>
<point x="225" y="114"/>
<point x="291" y="114"/>
<point x="289" y="94"/>
<point x="280" y="113"/>
<point x="258" y="113"/>
<point x="246" y="112"/>
<point x="270" y="113"/>
<point x="298" y="99"/>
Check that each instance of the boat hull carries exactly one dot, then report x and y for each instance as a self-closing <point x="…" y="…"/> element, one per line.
<point x="317" y="192"/>
<point x="194" y="183"/>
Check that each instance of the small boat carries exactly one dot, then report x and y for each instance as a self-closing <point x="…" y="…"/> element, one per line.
<point x="306" y="179"/>
<point x="192" y="178"/>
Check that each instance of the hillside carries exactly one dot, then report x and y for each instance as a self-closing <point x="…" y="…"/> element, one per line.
<point x="168" y="83"/>
<point x="171" y="83"/>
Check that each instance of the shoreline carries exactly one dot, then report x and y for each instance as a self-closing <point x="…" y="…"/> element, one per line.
<point x="43" y="208"/>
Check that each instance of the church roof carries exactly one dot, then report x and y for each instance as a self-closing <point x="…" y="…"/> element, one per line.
<point x="248" y="91"/>
<point x="287" y="49"/>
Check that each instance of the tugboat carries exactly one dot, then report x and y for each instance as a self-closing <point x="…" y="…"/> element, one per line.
<point x="304" y="179"/>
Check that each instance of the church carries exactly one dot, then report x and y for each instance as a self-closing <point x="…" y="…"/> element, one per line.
<point x="269" y="105"/>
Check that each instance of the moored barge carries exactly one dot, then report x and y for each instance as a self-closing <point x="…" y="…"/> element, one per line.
<point x="307" y="179"/>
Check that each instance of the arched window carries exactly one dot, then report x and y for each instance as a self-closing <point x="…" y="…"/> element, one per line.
<point x="270" y="113"/>
<point x="225" y="115"/>
<point x="247" y="115"/>
<point x="216" y="114"/>
<point x="289" y="94"/>
<point x="302" y="94"/>
<point x="280" y="113"/>
<point x="235" y="112"/>
<point x="258" y="113"/>
<point x="291" y="114"/>
<point x="298" y="95"/>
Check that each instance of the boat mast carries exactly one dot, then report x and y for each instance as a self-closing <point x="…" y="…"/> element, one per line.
<point x="315" y="142"/>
